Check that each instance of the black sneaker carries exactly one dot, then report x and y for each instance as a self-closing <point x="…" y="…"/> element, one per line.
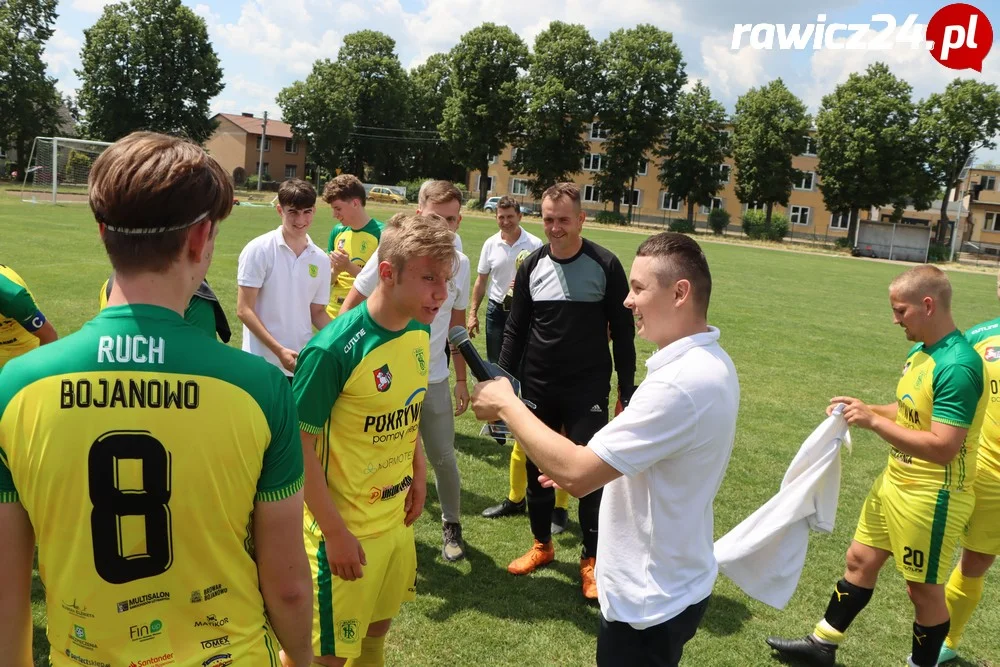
<point x="560" y="518"/>
<point x="506" y="508"/>
<point x="453" y="548"/>
<point x="808" y="648"/>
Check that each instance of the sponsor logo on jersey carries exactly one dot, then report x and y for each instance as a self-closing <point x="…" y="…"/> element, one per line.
<point x="142" y="601"/>
<point x="212" y="621"/>
<point x="906" y="367"/>
<point x="165" y="659"/>
<point x="386" y="492"/>
<point x="354" y="339"/>
<point x="991" y="354"/>
<point x="87" y="661"/>
<point x="74" y="610"/>
<point x="195" y="596"/>
<point x="79" y="632"/>
<point x="383" y="378"/>
<point x="79" y="638"/>
<point x="220" y="660"/>
<point x="216" y="643"/>
<point x="348" y="631"/>
<point x="214" y="592"/>
<point x="129" y="394"/>
<point x="390" y="462"/>
<point x="340" y="244"/>
<point x="908" y="411"/>
<point x="137" y="349"/>
<point x="418" y="354"/>
<point x="313" y="270"/>
<point x="364" y="247"/>
<point x="143" y="633"/>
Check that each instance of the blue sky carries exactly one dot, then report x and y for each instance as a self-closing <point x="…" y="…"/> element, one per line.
<point x="265" y="45"/>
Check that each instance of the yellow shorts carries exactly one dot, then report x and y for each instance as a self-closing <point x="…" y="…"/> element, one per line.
<point x="984" y="526"/>
<point x="921" y="527"/>
<point x="342" y="610"/>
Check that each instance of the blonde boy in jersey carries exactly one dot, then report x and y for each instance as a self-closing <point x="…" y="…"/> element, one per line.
<point x="353" y="240"/>
<point x="159" y="470"/>
<point x="919" y="506"/>
<point x="359" y="387"/>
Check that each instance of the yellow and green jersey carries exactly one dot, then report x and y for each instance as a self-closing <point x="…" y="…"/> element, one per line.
<point x="138" y="447"/>
<point x="203" y="310"/>
<point x="985" y="338"/>
<point x="944" y="383"/>
<point x="359" y="245"/>
<point x="359" y="388"/>
<point x="19" y="316"/>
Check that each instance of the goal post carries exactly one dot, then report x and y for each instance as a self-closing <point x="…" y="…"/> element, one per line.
<point x="58" y="168"/>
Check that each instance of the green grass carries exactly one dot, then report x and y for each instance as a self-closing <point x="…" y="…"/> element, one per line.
<point x="800" y="329"/>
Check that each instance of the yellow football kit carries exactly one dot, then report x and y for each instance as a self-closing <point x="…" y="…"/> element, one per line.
<point x="359" y="245"/>
<point x="19" y="316"/>
<point x="138" y="447"/>
<point x="360" y="389"/>
<point x="916" y="509"/>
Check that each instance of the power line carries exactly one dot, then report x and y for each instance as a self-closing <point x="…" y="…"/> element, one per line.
<point x="397" y="129"/>
<point x="418" y="140"/>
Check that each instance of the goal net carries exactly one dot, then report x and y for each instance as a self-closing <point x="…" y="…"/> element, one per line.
<point x="58" y="169"/>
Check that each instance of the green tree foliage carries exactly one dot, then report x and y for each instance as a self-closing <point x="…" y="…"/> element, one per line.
<point x="485" y="96"/>
<point x="770" y="126"/>
<point x="148" y="64"/>
<point x="319" y="111"/>
<point x="560" y="93"/>
<point x="430" y="87"/>
<point x="696" y="148"/>
<point x="643" y="74"/>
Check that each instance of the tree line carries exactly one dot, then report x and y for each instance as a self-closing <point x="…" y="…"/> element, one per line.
<point x="150" y="64"/>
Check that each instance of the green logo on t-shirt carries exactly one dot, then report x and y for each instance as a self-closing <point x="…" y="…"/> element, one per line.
<point x="313" y="270"/>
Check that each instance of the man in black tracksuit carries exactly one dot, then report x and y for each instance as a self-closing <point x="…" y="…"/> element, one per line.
<point x="568" y="295"/>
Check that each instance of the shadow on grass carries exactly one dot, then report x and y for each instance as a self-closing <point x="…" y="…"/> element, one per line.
<point x="725" y="616"/>
<point x="484" y="449"/>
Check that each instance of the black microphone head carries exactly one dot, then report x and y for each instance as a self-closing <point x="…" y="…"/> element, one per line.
<point x="458" y="335"/>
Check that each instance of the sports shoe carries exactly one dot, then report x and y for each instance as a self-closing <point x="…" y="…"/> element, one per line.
<point x="453" y="548"/>
<point x="506" y="508"/>
<point x="588" y="582"/>
<point x="538" y="556"/>
<point x="808" y="648"/>
<point x="560" y="517"/>
<point x="946" y="654"/>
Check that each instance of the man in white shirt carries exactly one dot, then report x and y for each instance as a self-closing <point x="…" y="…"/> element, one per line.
<point x="284" y="282"/>
<point x="437" y="416"/>
<point x="661" y="461"/>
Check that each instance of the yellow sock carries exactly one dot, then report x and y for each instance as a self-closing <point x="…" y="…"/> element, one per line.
<point x="518" y="474"/>
<point x="372" y="653"/>
<point x="962" y="595"/>
<point x="828" y="633"/>
<point x="562" y="499"/>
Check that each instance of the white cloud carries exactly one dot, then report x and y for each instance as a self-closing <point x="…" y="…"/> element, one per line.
<point x="731" y="73"/>
<point x="62" y="53"/>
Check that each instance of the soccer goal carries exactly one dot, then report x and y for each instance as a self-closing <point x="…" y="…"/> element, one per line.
<point x="58" y="168"/>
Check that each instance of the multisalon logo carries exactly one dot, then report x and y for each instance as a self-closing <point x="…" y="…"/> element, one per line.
<point x="959" y="36"/>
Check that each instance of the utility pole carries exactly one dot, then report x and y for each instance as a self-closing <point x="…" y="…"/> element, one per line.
<point x="260" y="159"/>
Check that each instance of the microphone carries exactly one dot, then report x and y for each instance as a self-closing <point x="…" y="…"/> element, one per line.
<point x="482" y="370"/>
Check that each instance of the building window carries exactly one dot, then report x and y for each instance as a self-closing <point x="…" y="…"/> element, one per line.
<point x="810" y="148"/>
<point x="267" y="143"/>
<point x="591" y="194"/>
<point x="592" y="162"/>
<point x="724" y="170"/>
<point x="840" y="220"/>
<point x="636" y="198"/>
<point x="598" y="133"/>
<point x="669" y="202"/>
<point x="807" y="180"/>
<point x="800" y="215"/>
<point x="291" y="146"/>
<point x="518" y="186"/>
<point x="643" y="168"/>
<point x="716" y="203"/>
<point x="291" y="171"/>
<point x="266" y="171"/>
<point x="988" y="182"/>
<point x="489" y="183"/>
<point x="754" y="206"/>
<point x="725" y="136"/>
<point x="992" y="221"/>
<point x="513" y="153"/>
<point x="492" y="159"/>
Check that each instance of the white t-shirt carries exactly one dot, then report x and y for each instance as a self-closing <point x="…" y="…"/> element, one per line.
<point x="288" y="285"/>
<point x="497" y="259"/>
<point x="672" y="445"/>
<point x="458" y="299"/>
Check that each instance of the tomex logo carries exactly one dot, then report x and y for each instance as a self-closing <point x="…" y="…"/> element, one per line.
<point x="959" y="36"/>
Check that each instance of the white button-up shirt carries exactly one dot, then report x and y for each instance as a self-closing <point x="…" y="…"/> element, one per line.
<point x="497" y="259"/>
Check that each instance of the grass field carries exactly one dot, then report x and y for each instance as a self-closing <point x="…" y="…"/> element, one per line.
<point x="800" y="329"/>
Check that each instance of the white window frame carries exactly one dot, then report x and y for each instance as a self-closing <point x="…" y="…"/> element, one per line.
<point x="518" y="186"/>
<point x="294" y="168"/>
<point x="636" y="198"/>
<point x="592" y="157"/>
<point x="591" y="194"/>
<point x="267" y="144"/>
<point x="727" y="170"/>
<point x="644" y="168"/>
<point x="795" y="215"/>
<point x="989" y="182"/>
<point x="674" y="199"/>
<point x="756" y="206"/>
<point x="995" y="215"/>
<point x="810" y="144"/>
<point x="491" y="159"/>
<point x="597" y="133"/>
<point x="717" y="202"/>
<point x="840" y="220"/>
<point x="294" y="144"/>
<point x="489" y="188"/>
<point x="811" y="175"/>
<point x="513" y="153"/>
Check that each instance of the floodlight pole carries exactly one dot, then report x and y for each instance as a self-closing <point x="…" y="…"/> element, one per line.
<point x="260" y="159"/>
<point x="55" y="169"/>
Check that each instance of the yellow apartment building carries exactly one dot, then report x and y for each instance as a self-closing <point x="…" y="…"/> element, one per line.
<point x="981" y="214"/>
<point x="236" y="143"/>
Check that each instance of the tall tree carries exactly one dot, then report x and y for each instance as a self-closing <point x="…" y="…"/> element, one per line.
<point x="643" y="74"/>
<point x="148" y="64"/>
<point x="953" y="125"/>
<point x="485" y="96"/>
<point x="430" y="86"/>
<point x="693" y="154"/>
<point x="319" y="111"/>
<point x="561" y="100"/>
<point x="770" y="126"/>
<point x="867" y="151"/>
<point x="29" y="103"/>
<point x="377" y="100"/>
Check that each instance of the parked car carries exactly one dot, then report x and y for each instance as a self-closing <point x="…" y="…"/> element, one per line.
<point x="383" y="194"/>
<point x="491" y="205"/>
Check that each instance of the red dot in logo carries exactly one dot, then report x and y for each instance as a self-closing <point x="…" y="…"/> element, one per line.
<point x="961" y="35"/>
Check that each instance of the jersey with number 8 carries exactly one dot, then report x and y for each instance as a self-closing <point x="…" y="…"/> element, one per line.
<point x="138" y="447"/>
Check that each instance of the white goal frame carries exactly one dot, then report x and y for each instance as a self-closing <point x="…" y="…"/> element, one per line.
<point x="32" y="195"/>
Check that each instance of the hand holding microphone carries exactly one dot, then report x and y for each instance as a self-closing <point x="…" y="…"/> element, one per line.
<point x="487" y="399"/>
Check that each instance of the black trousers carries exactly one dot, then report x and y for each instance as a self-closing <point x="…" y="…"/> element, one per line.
<point x="581" y="419"/>
<point x="658" y="646"/>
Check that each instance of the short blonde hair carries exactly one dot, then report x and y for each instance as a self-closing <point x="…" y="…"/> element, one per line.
<point x="408" y="236"/>
<point x="923" y="281"/>
<point x="438" y="192"/>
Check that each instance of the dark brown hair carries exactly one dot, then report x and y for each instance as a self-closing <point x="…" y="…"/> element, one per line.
<point x="680" y="258"/>
<point x="344" y="188"/>
<point x="508" y="202"/>
<point x="296" y="193"/>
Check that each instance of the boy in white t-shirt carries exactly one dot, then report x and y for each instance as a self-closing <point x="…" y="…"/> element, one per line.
<point x="284" y="282"/>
